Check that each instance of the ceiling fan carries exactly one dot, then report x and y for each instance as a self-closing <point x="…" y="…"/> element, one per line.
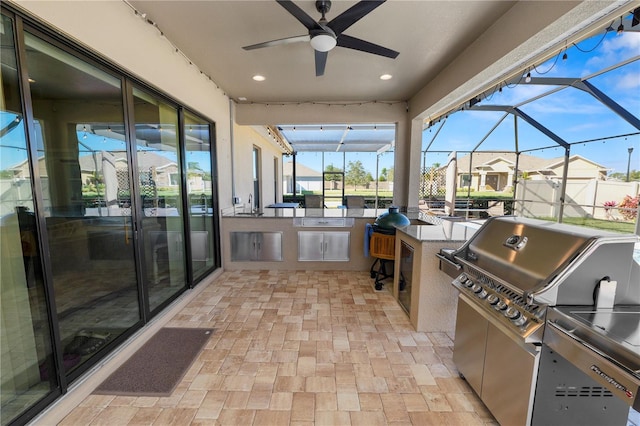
<point x="324" y="35"/>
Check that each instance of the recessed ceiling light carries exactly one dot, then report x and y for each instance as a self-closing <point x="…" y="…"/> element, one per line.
<point x="242" y="98"/>
<point x="259" y="77"/>
<point x="386" y="77"/>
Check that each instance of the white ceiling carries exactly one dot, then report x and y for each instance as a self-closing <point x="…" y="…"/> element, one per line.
<point x="428" y="35"/>
<point x="432" y="38"/>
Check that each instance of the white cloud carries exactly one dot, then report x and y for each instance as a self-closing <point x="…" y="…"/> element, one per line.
<point x="613" y="50"/>
<point x="629" y="80"/>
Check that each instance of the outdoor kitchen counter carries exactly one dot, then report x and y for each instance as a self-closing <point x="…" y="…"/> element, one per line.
<point x="282" y="237"/>
<point x="433" y="300"/>
<point x="448" y="230"/>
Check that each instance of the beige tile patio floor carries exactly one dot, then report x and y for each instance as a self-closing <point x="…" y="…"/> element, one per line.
<point x="302" y="348"/>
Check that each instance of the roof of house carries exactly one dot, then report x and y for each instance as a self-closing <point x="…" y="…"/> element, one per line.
<point x="525" y="162"/>
<point x="301" y="170"/>
<point x="560" y="160"/>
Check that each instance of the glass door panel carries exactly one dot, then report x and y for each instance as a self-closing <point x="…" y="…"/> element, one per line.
<point x="160" y="187"/>
<point x="83" y="171"/>
<point x="197" y="139"/>
<point x="26" y="363"/>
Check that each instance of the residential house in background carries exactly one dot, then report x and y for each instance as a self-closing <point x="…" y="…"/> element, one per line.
<point x="490" y="171"/>
<point x="307" y="179"/>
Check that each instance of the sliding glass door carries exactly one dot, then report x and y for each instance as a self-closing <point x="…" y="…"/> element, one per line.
<point x="160" y="188"/>
<point x="197" y="141"/>
<point x="108" y="211"/>
<point x="27" y="372"/>
<point x="83" y="171"/>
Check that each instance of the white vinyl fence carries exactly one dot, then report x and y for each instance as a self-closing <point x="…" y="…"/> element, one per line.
<point x="541" y="198"/>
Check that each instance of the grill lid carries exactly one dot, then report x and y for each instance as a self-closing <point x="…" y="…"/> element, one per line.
<point x="388" y="221"/>
<point x="530" y="255"/>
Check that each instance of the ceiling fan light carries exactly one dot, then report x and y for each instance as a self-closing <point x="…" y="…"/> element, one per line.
<point x="323" y="42"/>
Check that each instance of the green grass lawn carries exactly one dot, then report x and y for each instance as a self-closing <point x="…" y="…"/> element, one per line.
<point x="350" y="191"/>
<point x="607" y="225"/>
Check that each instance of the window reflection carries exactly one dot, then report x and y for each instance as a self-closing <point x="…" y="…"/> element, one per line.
<point x="27" y="371"/>
<point x="84" y="173"/>
<point x="161" y="197"/>
<point x="200" y="193"/>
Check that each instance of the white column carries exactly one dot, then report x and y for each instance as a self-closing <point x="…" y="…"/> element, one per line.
<point x="483" y="180"/>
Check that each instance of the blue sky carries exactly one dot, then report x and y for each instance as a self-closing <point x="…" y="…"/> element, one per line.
<point x="572" y="114"/>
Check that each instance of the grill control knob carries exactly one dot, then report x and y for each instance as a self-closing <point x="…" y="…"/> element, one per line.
<point x="500" y="305"/>
<point x="476" y="288"/>
<point x="462" y="278"/>
<point x="482" y="293"/>
<point x="493" y="299"/>
<point x="512" y="313"/>
<point x="520" y="321"/>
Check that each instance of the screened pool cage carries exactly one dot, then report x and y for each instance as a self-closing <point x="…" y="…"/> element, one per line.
<point x="339" y="162"/>
<point x="546" y="144"/>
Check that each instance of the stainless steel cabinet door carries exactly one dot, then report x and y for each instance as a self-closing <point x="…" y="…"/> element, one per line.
<point x="323" y="246"/>
<point x="336" y="246"/>
<point x="268" y="246"/>
<point x="242" y="246"/>
<point x="470" y="343"/>
<point x="310" y="246"/>
<point x="508" y="369"/>
<point x="256" y="246"/>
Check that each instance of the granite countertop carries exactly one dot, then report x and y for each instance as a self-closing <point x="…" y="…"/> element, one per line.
<point x="445" y="231"/>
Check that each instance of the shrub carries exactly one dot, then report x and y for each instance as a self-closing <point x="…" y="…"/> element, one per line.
<point x="608" y="205"/>
<point x="629" y="207"/>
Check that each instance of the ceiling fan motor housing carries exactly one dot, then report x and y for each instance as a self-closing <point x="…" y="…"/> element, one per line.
<point x="323" y="6"/>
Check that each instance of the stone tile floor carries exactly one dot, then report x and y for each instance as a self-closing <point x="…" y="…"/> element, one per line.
<point x="302" y="348"/>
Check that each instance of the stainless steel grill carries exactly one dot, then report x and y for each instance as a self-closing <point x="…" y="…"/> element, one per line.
<point x="521" y="281"/>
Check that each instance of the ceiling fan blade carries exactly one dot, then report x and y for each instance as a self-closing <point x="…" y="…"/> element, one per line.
<point x="321" y="62"/>
<point x="353" y="15"/>
<point x="299" y="14"/>
<point x="365" y="46"/>
<point x="288" y="40"/>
